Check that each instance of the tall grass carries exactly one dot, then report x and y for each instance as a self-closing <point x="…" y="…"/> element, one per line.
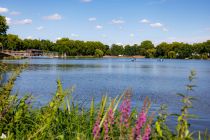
<point x="63" y="118"/>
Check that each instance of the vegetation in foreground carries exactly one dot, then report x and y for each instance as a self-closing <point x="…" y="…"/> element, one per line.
<point x="63" y="118"/>
<point x="95" y="48"/>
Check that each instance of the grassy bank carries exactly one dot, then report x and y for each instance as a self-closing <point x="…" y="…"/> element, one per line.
<point x="63" y="118"/>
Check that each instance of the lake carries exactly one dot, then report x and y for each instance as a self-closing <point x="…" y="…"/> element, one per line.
<point x="160" y="81"/>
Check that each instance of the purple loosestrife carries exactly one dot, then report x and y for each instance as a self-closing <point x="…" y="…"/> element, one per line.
<point x="106" y="129"/>
<point x="147" y="133"/>
<point x="96" y="129"/>
<point x="125" y="110"/>
<point x="111" y="117"/>
<point x="108" y="123"/>
<point x="141" y="120"/>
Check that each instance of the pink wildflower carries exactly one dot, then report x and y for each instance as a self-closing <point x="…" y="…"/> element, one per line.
<point x="125" y="110"/>
<point x="139" y="124"/>
<point x="111" y="117"/>
<point x="147" y="133"/>
<point x="96" y="129"/>
<point x="106" y="129"/>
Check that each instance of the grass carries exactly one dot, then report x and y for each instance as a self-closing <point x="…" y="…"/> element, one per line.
<point x="62" y="117"/>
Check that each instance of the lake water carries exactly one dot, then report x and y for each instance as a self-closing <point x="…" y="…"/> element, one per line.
<point x="160" y="81"/>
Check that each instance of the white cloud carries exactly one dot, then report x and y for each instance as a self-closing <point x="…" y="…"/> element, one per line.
<point x="156" y="25"/>
<point x="86" y="1"/>
<point x="14" y="13"/>
<point x="40" y="28"/>
<point x="92" y="19"/>
<point x="144" y="21"/>
<point x="55" y="16"/>
<point x="132" y="35"/>
<point x="8" y="20"/>
<point x="3" y="10"/>
<point x="118" y="21"/>
<point x="74" y="35"/>
<point x="23" y="22"/>
<point x="99" y="27"/>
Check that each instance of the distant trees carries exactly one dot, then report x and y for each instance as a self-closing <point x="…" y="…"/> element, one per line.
<point x="99" y="53"/>
<point x="95" y="48"/>
<point x="3" y="30"/>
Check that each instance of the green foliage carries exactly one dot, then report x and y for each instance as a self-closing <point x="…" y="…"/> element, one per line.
<point x="99" y="53"/>
<point x="3" y="25"/>
<point x="117" y="50"/>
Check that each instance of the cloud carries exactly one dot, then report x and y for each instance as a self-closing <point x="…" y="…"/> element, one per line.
<point x="99" y="27"/>
<point x="40" y="28"/>
<point x="92" y="19"/>
<point x="156" y="25"/>
<point x="86" y="1"/>
<point x="3" y="10"/>
<point x="118" y="21"/>
<point x="8" y="20"/>
<point x="14" y="13"/>
<point x="145" y="21"/>
<point x="55" y="16"/>
<point x="131" y="35"/>
<point x="23" y="22"/>
<point x="74" y="35"/>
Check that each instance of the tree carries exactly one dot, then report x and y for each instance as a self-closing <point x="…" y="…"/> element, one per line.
<point x="162" y="49"/>
<point x="172" y="54"/>
<point x="99" y="53"/>
<point x="3" y="25"/>
<point x="151" y="53"/>
<point x="117" y="50"/>
<point x="14" y="42"/>
<point x="3" y="30"/>
<point x="145" y="45"/>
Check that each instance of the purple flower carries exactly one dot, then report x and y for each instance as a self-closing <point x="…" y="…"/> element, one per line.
<point x="106" y="129"/>
<point x="111" y="117"/>
<point x="142" y="118"/>
<point x="147" y="133"/>
<point x="125" y="110"/>
<point x="96" y="129"/>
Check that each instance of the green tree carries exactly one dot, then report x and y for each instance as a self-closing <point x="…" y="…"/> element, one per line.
<point x="3" y="30"/>
<point x="117" y="50"/>
<point x="172" y="54"/>
<point x="14" y="42"/>
<point x="162" y="49"/>
<point x="99" y="53"/>
<point x="145" y="45"/>
<point x="3" y="25"/>
<point x="151" y="53"/>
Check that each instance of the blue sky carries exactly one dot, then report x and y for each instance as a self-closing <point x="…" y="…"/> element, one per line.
<point x="110" y="21"/>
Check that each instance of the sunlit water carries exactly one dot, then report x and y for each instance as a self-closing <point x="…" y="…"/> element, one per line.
<point x="160" y="81"/>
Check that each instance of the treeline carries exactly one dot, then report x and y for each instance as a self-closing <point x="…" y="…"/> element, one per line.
<point x="98" y="49"/>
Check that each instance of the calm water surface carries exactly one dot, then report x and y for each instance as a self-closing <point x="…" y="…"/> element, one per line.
<point x="95" y="77"/>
